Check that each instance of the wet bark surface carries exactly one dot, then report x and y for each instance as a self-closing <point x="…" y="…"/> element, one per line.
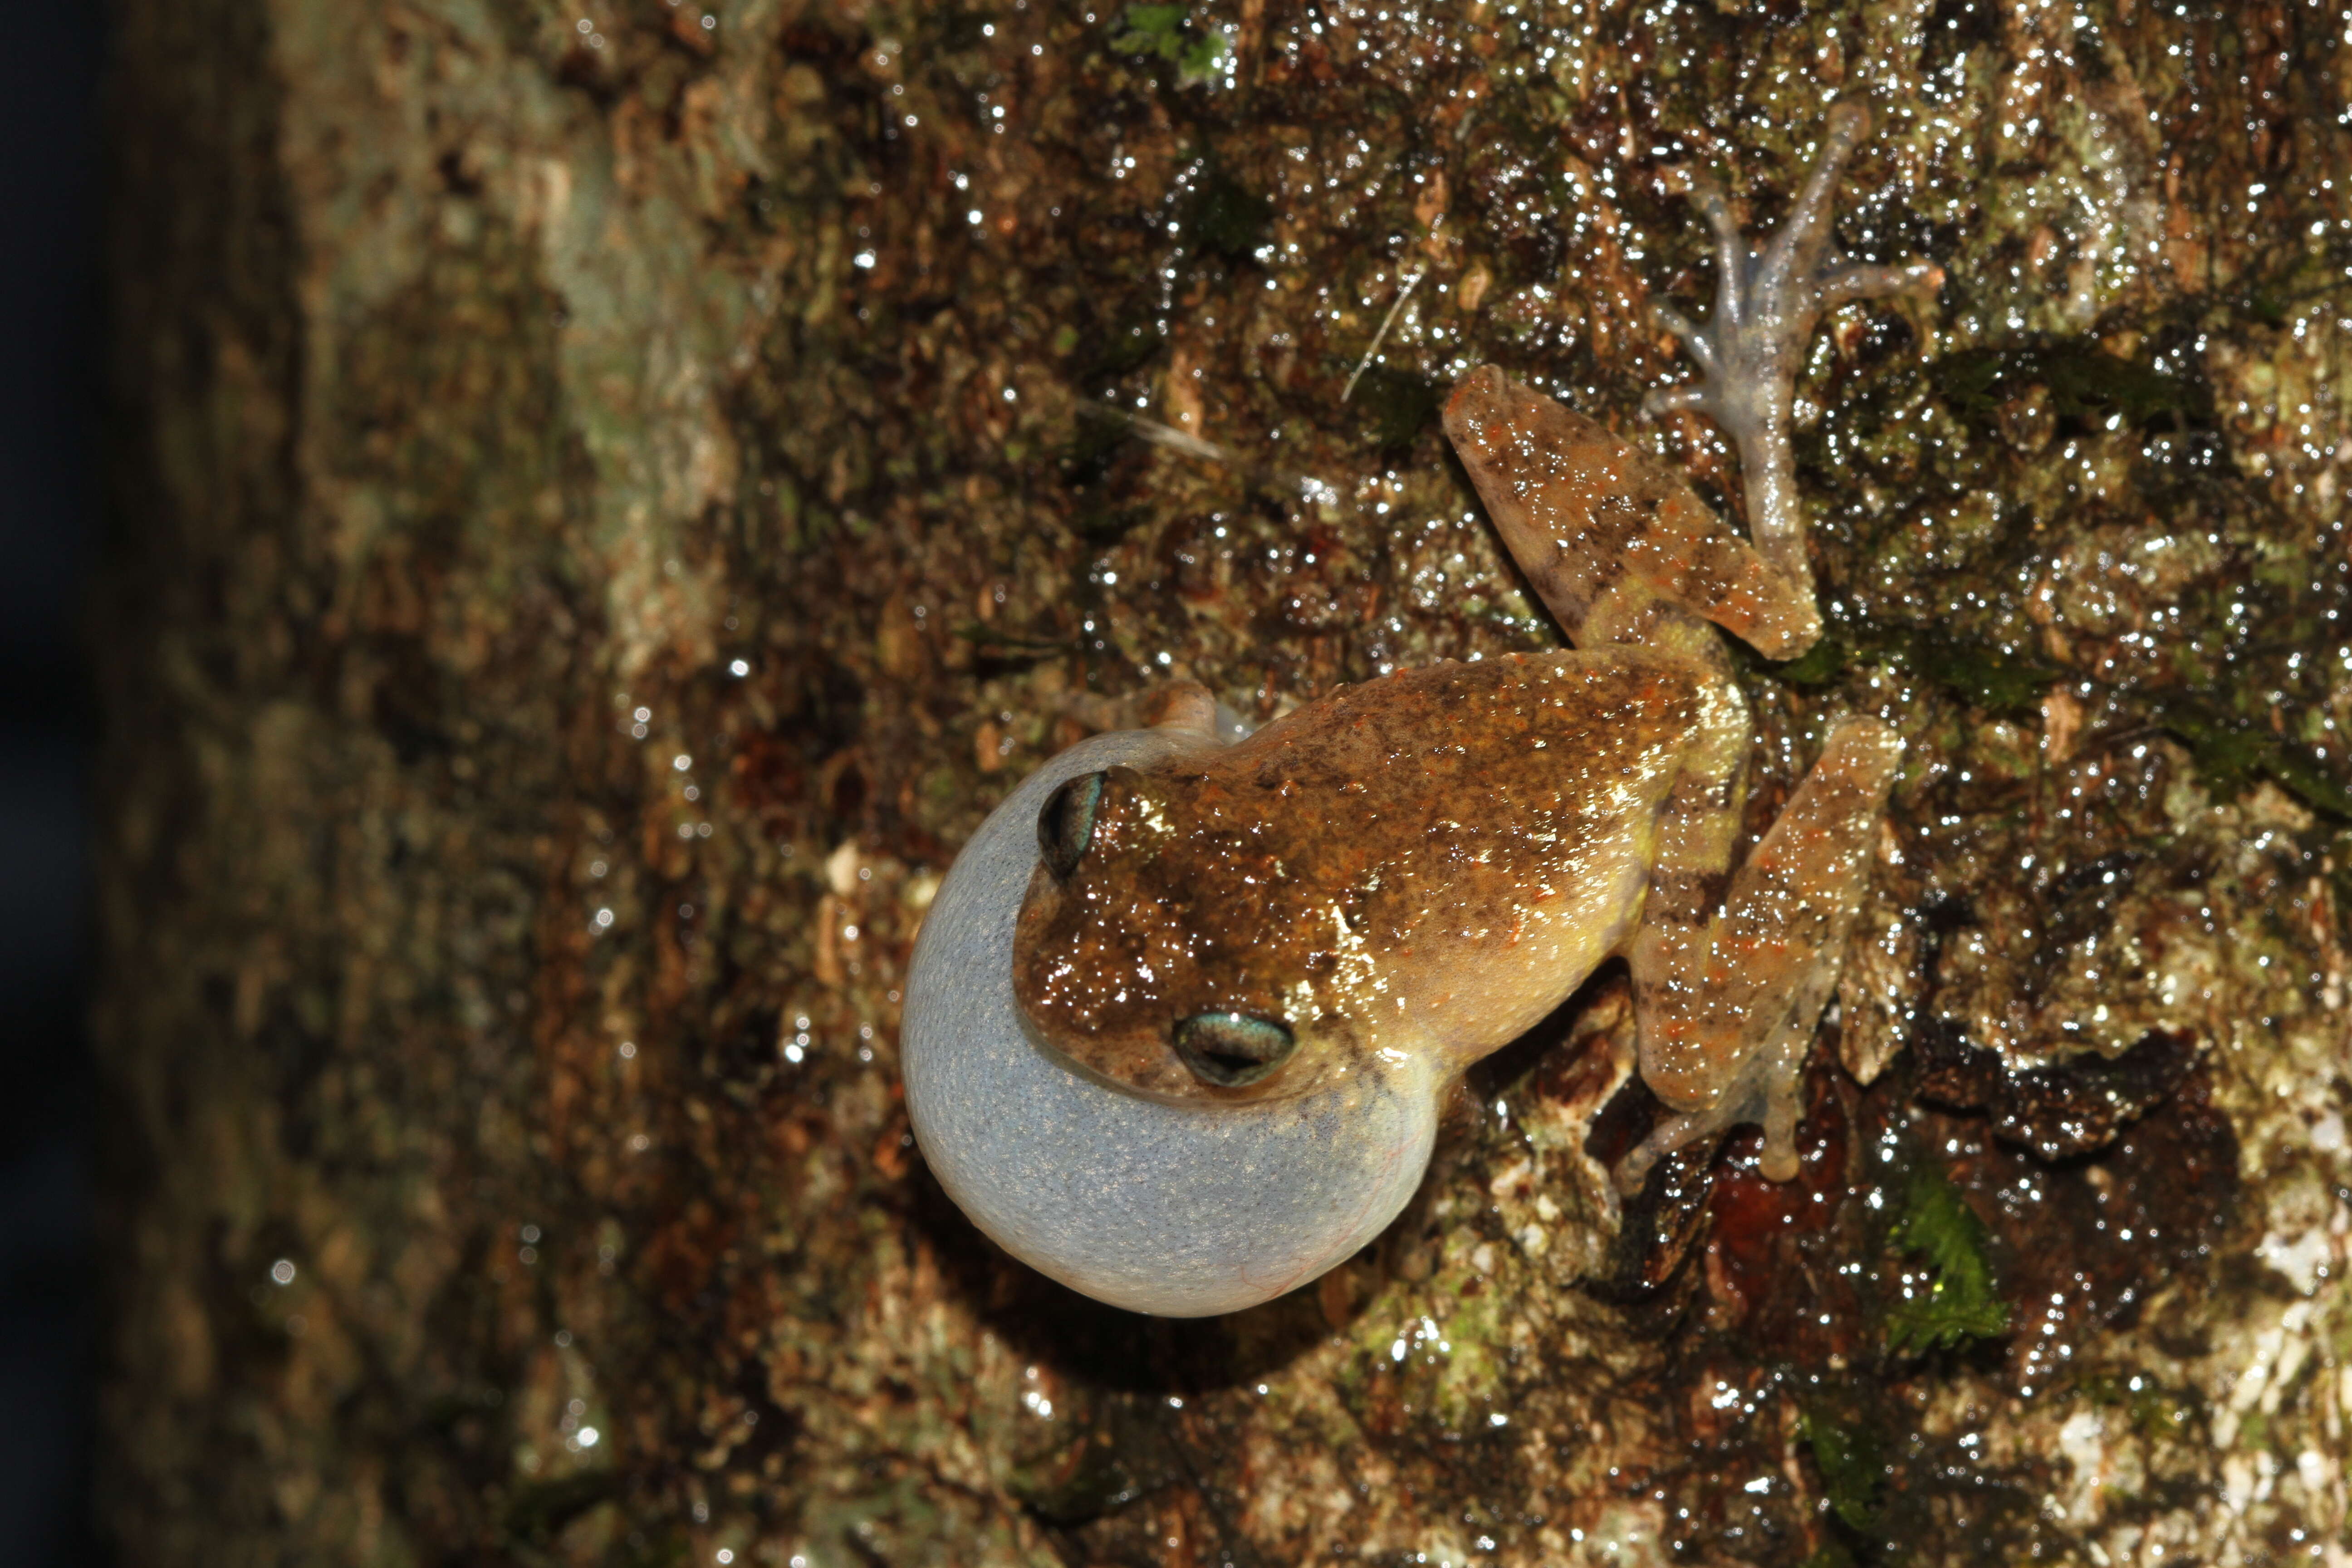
<point x="602" y="501"/>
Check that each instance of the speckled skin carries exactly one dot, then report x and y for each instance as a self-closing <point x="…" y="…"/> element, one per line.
<point x="1730" y="967"/>
<point x="1424" y="864"/>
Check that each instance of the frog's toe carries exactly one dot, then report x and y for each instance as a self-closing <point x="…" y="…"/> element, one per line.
<point x="1770" y="1094"/>
<point x="1677" y="400"/>
<point x="1859" y="280"/>
<point x="1768" y="297"/>
<point x="1690" y="335"/>
<point x="1689" y="1129"/>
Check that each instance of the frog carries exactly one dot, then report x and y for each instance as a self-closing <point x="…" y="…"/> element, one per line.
<point x="1341" y="912"/>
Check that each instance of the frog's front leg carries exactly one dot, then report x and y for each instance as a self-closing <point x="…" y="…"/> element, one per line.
<point x="1767" y="302"/>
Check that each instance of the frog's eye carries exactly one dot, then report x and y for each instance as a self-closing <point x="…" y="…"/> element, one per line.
<point x="1066" y="824"/>
<point x="1230" y="1049"/>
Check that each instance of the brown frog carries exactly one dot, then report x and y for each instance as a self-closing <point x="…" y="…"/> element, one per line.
<point x="1416" y="870"/>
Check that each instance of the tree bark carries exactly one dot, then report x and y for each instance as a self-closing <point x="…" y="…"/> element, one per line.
<point x="602" y="501"/>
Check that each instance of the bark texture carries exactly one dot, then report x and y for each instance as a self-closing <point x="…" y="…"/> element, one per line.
<point x="604" y="499"/>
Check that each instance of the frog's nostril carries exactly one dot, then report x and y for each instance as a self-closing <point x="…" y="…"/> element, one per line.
<point x="1231" y="1049"/>
<point x="1065" y="824"/>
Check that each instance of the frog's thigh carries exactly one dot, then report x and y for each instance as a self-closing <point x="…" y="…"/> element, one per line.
<point x="1698" y="829"/>
<point x="1727" y="1010"/>
<point x="1604" y="531"/>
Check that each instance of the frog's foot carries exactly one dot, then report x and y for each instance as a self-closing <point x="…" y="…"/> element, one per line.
<point x="1769" y="1092"/>
<point x="1727" y="1010"/>
<point x="1767" y="302"/>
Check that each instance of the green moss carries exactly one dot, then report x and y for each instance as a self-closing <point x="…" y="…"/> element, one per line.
<point x="1226" y="217"/>
<point x="1850" y="1470"/>
<point x="1132" y="343"/>
<point x="1006" y="646"/>
<point x="1961" y="1302"/>
<point x="2272" y="299"/>
<point x="2231" y="755"/>
<point x="1817" y="666"/>
<point x="1093" y="442"/>
<point x="2160" y="1417"/>
<point x="540" y="1509"/>
<point x="1086" y="1482"/>
<point x="1168" y="33"/>
<point x="2156" y="1414"/>
<point x="1986" y="678"/>
<point x="2083" y="381"/>
<point x="1397" y="406"/>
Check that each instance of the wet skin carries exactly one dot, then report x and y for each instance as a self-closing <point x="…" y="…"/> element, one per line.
<point x="1423" y="865"/>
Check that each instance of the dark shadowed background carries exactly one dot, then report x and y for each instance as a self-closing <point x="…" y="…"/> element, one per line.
<point x="49" y="292"/>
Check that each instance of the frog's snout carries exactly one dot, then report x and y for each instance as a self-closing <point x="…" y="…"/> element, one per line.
<point x="1185" y="1210"/>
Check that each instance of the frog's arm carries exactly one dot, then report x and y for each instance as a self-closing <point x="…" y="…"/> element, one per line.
<point x="1767" y="301"/>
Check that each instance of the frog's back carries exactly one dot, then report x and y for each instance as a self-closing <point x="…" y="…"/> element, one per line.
<point x="1443" y="816"/>
<point x="1539" y="728"/>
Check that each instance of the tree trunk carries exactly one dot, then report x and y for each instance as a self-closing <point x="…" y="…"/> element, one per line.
<point x="604" y="500"/>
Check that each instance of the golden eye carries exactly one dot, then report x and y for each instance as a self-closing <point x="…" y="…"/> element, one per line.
<point x="1065" y="824"/>
<point x="1230" y="1049"/>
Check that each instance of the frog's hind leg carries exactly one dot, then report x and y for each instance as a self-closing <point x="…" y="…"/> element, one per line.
<point x="1748" y="352"/>
<point x="1728" y="1005"/>
<point x="1615" y="541"/>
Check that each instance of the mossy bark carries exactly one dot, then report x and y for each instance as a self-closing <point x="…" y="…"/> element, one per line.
<point x="603" y="499"/>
